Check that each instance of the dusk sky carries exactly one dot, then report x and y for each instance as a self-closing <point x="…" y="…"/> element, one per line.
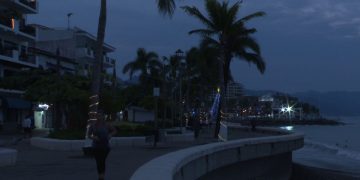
<point x="307" y="45"/>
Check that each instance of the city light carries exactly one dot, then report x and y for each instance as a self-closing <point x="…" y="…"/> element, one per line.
<point x="288" y="128"/>
<point x="289" y="109"/>
<point x="283" y="109"/>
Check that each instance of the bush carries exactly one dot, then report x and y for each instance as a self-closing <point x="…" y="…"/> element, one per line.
<point x="69" y="134"/>
<point x="131" y="129"/>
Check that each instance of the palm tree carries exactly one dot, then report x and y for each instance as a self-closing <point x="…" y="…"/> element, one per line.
<point x="96" y="77"/>
<point x="230" y="37"/>
<point x="146" y="62"/>
<point x="166" y="7"/>
<point x="200" y="73"/>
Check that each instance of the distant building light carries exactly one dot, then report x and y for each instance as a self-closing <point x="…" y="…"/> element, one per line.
<point x="288" y="128"/>
<point x="283" y="109"/>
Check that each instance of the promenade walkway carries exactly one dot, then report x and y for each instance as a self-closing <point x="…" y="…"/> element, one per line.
<point x="35" y="163"/>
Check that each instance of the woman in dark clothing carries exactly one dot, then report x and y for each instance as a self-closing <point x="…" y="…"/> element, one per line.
<point x="101" y="132"/>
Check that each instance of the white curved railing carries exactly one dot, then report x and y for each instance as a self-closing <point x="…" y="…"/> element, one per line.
<point x="194" y="162"/>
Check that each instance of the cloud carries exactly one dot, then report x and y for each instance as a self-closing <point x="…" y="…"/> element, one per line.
<point x="337" y="15"/>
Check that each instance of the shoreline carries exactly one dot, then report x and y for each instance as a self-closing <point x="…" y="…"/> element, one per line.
<point x="286" y="122"/>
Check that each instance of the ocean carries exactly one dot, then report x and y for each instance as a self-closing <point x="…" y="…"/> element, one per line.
<point x="331" y="147"/>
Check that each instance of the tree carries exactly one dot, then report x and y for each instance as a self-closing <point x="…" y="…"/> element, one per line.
<point x="201" y="75"/>
<point x="67" y="95"/>
<point x="96" y="76"/>
<point x="229" y="36"/>
<point x="146" y="62"/>
<point x="165" y="7"/>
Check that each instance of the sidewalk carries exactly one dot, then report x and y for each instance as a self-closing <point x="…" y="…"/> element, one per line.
<point x="39" y="164"/>
<point x="35" y="163"/>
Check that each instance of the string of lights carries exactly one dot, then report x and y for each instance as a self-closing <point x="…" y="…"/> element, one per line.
<point x="92" y="113"/>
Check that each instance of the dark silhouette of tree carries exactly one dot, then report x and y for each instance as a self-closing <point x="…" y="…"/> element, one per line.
<point x="229" y="36"/>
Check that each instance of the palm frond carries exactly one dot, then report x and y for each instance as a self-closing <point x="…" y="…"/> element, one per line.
<point x="232" y="14"/>
<point x="249" y="43"/>
<point x="202" y="32"/>
<point x="209" y="42"/>
<point x="193" y="11"/>
<point x="129" y="67"/>
<point x="215" y="12"/>
<point x="166" y="7"/>
<point x="254" y="15"/>
<point x="255" y="59"/>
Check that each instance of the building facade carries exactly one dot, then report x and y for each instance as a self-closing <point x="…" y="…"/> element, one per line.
<point x="26" y="46"/>
<point x="16" y="36"/>
<point x="75" y="45"/>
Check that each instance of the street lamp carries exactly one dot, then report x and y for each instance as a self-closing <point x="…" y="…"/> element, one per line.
<point x="68" y="17"/>
<point x="180" y="54"/>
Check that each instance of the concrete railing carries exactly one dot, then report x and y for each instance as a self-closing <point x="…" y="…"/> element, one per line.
<point x="7" y="157"/>
<point x="195" y="162"/>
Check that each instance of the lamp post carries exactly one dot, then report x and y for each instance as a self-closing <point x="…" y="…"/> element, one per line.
<point x="68" y="18"/>
<point x="180" y="54"/>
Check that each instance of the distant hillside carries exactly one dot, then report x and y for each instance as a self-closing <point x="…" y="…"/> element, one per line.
<point x="249" y="92"/>
<point x="339" y="103"/>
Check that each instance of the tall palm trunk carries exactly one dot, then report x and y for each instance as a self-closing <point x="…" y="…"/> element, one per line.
<point x="96" y="77"/>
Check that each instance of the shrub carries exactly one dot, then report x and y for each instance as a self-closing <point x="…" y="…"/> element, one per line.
<point x="69" y="134"/>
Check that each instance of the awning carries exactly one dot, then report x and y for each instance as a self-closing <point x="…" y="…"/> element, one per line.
<point x="17" y="103"/>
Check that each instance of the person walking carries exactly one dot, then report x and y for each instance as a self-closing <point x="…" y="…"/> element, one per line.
<point x="100" y="133"/>
<point x="26" y="124"/>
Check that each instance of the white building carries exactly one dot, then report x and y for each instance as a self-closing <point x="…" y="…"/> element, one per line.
<point x="138" y="114"/>
<point x="234" y="91"/>
<point x="72" y="44"/>
<point x="16" y="36"/>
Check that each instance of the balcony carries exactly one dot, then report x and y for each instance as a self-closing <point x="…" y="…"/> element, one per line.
<point x="85" y="53"/>
<point x="30" y="3"/>
<point x="29" y="30"/>
<point x="14" y="27"/>
<point x="24" y="6"/>
<point x="27" y="58"/>
<point x="13" y="56"/>
<point x="6" y="52"/>
<point x="6" y="22"/>
<point x="108" y="62"/>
